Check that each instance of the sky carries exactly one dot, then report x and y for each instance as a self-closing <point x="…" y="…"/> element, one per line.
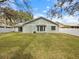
<point x="40" y="7"/>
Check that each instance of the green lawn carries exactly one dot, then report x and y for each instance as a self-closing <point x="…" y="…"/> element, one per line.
<point x="38" y="46"/>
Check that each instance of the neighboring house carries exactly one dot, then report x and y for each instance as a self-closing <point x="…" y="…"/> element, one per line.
<point x="6" y="28"/>
<point x="39" y="25"/>
<point x="72" y="26"/>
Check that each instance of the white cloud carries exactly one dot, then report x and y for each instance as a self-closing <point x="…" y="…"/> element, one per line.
<point x="68" y="19"/>
<point x="65" y="20"/>
<point x="38" y="15"/>
<point x="35" y="9"/>
<point x="44" y="11"/>
<point x="47" y="7"/>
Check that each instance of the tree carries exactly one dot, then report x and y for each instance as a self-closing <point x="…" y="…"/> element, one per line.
<point x="8" y="15"/>
<point x="13" y="15"/>
<point x="71" y="8"/>
<point x="2" y="0"/>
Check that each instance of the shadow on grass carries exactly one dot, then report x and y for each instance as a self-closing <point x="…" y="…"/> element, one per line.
<point x="22" y="56"/>
<point x="17" y="56"/>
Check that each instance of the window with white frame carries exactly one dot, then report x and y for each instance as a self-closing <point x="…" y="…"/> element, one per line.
<point x="41" y="27"/>
<point x="53" y="27"/>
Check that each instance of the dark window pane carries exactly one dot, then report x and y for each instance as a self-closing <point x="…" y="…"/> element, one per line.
<point x="41" y="28"/>
<point x="53" y="27"/>
<point x="37" y="28"/>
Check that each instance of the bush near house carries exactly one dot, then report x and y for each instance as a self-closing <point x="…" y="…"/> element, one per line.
<point x="38" y="46"/>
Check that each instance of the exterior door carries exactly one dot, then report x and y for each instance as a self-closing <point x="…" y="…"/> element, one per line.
<point x="20" y="29"/>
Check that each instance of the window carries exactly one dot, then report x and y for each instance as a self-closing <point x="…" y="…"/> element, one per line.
<point x="37" y="28"/>
<point x="53" y="27"/>
<point x="41" y="27"/>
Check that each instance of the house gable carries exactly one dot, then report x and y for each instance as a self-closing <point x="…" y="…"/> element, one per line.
<point x="40" y="18"/>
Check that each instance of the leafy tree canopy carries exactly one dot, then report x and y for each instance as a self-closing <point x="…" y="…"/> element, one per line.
<point x="2" y="0"/>
<point x="16" y="15"/>
<point x="62" y="7"/>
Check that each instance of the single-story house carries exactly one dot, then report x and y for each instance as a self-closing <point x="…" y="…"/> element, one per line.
<point x="72" y="26"/>
<point x="39" y="25"/>
<point x="6" y="28"/>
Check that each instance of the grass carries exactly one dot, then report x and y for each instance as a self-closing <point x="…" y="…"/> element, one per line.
<point x="38" y="46"/>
